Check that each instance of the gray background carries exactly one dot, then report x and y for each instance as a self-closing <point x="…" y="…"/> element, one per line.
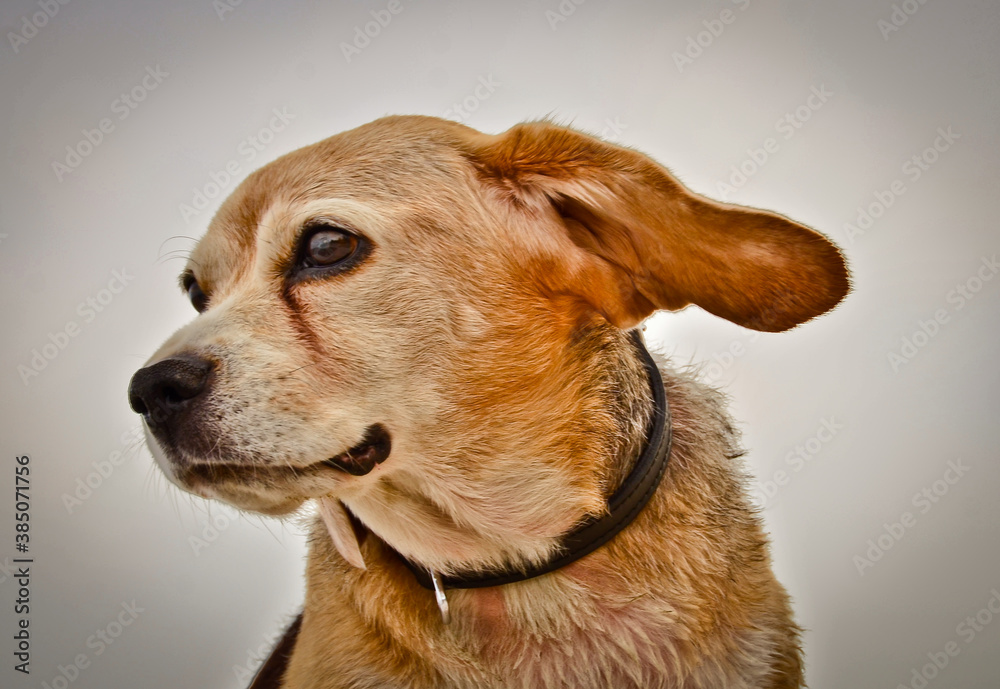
<point x="610" y="68"/>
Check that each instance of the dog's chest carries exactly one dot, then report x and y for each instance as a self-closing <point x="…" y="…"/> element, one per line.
<point x="566" y="638"/>
<point x="578" y="645"/>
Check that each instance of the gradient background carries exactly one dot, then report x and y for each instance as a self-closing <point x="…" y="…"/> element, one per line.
<point x="209" y="606"/>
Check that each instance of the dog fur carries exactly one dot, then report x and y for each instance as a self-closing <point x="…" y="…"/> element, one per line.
<point x="487" y="330"/>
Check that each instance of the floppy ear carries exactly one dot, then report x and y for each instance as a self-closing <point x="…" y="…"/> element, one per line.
<point x="649" y="243"/>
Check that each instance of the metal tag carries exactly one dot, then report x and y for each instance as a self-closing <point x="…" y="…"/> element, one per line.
<point x="442" y="599"/>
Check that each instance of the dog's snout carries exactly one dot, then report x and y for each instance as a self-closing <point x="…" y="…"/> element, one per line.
<point x="159" y="392"/>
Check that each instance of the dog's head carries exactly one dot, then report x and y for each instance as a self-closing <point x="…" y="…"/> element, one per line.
<point x="413" y="319"/>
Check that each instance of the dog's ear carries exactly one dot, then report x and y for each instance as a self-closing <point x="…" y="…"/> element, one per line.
<point x="649" y="243"/>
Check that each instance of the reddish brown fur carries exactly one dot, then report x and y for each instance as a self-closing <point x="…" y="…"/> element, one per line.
<point x="487" y="331"/>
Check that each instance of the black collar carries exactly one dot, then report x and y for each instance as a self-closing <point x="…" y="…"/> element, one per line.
<point x="623" y="506"/>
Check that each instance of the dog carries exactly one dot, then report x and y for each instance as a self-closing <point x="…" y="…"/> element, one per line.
<point x="433" y="335"/>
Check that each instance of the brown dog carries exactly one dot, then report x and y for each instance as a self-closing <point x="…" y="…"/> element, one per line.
<point x="427" y="330"/>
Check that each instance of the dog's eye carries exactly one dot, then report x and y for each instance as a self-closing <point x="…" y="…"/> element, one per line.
<point x="326" y="249"/>
<point x="199" y="300"/>
<point x="327" y="246"/>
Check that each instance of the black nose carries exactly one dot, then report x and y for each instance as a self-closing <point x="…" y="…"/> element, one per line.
<point x="159" y="392"/>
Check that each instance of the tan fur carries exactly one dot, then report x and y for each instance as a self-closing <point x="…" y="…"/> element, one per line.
<point x="487" y="332"/>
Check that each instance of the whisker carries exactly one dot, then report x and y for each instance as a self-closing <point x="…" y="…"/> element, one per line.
<point x="178" y="236"/>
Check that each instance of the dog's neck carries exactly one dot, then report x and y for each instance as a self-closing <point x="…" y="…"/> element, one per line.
<point x="635" y="460"/>
<point x="631" y="493"/>
<point x="613" y="403"/>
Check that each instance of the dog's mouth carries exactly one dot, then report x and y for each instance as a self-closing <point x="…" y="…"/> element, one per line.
<point x="270" y="487"/>
<point x="373" y="449"/>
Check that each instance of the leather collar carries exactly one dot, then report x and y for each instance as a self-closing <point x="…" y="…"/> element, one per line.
<point x="626" y="503"/>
